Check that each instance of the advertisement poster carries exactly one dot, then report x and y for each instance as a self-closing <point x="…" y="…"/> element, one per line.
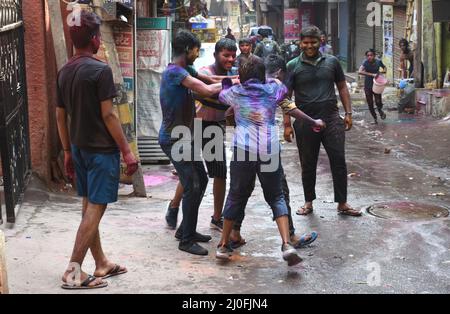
<point x="123" y="38"/>
<point x="306" y="15"/>
<point x="291" y="25"/>
<point x="153" y="46"/>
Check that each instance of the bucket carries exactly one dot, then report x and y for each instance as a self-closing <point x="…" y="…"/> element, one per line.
<point x="379" y="84"/>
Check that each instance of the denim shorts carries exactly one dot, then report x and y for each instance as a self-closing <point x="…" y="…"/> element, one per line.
<point x="97" y="175"/>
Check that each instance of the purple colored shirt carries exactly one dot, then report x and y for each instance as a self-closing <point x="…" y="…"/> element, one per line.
<point x="254" y="107"/>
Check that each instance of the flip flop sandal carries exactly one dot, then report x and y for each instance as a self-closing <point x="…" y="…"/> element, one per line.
<point x="85" y="284"/>
<point x="115" y="271"/>
<point x="303" y="242"/>
<point x="305" y="211"/>
<point x="350" y="212"/>
<point x="237" y="244"/>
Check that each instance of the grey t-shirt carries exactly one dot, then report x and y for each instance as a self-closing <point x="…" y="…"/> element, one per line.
<point x="83" y="83"/>
<point x="314" y="84"/>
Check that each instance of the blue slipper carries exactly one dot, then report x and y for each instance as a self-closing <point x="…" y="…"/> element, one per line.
<point x="303" y="242"/>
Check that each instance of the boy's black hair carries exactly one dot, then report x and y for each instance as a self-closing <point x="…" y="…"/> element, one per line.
<point x="311" y="31"/>
<point x="264" y="32"/>
<point x="88" y="27"/>
<point x="405" y="42"/>
<point x="185" y="41"/>
<point x="225" y="44"/>
<point x="273" y="63"/>
<point x="372" y="51"/>
<point x="245" y="40"/>
<point x="253" y="68"/>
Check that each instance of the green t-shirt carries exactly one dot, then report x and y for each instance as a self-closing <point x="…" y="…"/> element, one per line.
<point x="313" y="84"/>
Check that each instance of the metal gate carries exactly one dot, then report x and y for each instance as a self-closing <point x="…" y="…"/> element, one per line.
<point x="14" y="131"/>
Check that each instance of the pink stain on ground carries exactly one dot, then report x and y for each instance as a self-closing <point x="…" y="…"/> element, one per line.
<point x="153" y="180"/>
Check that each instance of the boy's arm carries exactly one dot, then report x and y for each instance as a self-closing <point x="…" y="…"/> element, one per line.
<point x="202" y="89"/>
<point x="213" y="79"/>
<point x="344" y="94"/>
<point x="290" y="110"/>
<point x="112" y="123"/>
<point x="61" y="121"/>
<point x="362" y="71"/>
<point x="288" y="130"/>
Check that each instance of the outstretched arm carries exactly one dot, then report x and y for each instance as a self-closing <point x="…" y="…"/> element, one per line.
<point x="202" y="89"/>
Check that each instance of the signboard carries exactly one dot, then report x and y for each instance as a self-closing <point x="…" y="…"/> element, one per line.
<point x="123" y="38"/>
<point x="153" y="23"/>
<point x="152" y="50"/>
<point x="306" y="15"/>
<point x="291" y="25"/>
<point x="153" y="55"/>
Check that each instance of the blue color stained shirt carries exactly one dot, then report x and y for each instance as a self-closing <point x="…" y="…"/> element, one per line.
<point x="177" y="103"/>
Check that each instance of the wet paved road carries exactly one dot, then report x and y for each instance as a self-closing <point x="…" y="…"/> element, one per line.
<point x="352" y="255"/>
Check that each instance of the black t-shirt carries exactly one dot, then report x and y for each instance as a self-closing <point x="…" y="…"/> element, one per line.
<point x="313" y="84"/>
<point x="82" y="84"/>
<point x="371" y="68"/>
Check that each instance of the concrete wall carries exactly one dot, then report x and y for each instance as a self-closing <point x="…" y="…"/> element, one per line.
<point x="41" y="83"/>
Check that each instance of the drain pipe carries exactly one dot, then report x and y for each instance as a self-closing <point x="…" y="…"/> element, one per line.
<point x="438" y="41"/>
<point x="418" y="51"/>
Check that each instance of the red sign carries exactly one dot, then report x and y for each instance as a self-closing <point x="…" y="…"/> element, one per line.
<point x="291" y="25"/>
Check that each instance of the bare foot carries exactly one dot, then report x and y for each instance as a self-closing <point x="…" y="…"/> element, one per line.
<point x="345" y="209"/>
<point x="109" y="269"/>
<point x="305" y="209"/>
<point x="70" y="277"/>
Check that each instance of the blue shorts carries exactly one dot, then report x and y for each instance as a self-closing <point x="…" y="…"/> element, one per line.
<point x="97" y="175"/>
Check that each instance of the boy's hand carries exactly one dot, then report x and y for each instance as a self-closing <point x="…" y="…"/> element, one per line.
<point x="68" y="165"/>
<point x="288" y="133"/>
<point x="131" y="162"/>
<point x="348" y="121"/>
<point x="319" y="125"/>
<point x="226" y="83"/>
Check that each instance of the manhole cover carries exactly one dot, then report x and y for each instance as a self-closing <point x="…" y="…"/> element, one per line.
<point x="407" y="211"/>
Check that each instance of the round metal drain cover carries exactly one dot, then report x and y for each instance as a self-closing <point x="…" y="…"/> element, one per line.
<point x="407" y="211"/>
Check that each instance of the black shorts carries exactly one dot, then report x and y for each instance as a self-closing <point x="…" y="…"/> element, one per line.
<point x="217" y="168"/>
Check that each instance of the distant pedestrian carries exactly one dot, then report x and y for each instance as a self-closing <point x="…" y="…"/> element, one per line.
<point x="267" y="46"/>
<point x="406" y="56"/>
<point x="245" y="46"/>
<point x="371" y="69"/>
<point x="325" y="48"/>
<point x="230" y="34"/>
